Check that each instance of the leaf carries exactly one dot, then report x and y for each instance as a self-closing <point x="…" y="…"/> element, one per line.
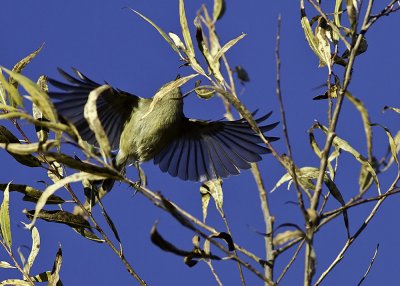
<point x="352" y="12"/>
<point x="205" y="200"/>
<point x="286" y="236"/>
<point x="177" y="41"/>
<point x="365" y="118"/>
<point x="212" y="62"/>
<point x="55" y="272"/>
<point x="39" y="97"/>
<point x="311" y="39"/>
<point x="162" y="33"/>
<point x="324" y="48"/>
<point x="242" y="74"/>
<point x="394" y="147"/>
<point x="167" y="88"/>
<point x="219" y="9"/>
<point x="31" y="194"/>
<point x="92" y="118"/>
<point x="15" y="99"/>
<point x="214" y="188"/>
<point x="77" y="177"/>
<point x="345" y="146"/>
<point x="23" y="63"/>
<point x="41" y="132"/>
<point x="88" y="234"/>
<point x="391" y="108"/>
<point x="188" y="39"/>
<point x="5" y="218"/>
<point x="34" y="249"/>
<point x="7" y="139"/>
<point x="227" y="46"/>
<point x="337" y="18"/>
<point x="81" y="165"/>
<point x="5" y="264"/>
<point x="60" y="216"/>
<point x="15" y="282"/>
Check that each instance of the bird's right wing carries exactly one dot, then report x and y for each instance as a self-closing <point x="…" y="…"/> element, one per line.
<point x="210" y="150"/>
<point x="114" y="107"/>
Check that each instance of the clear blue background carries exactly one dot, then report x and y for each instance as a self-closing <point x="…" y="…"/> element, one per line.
<point x="109" y="43"/>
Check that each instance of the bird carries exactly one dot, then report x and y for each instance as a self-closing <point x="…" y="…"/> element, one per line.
<point x="191" y="149"/>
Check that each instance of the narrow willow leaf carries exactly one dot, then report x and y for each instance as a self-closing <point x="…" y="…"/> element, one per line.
<point x="109" y="221"/>
<point x="365" y="118"/>
<point x="337" y="18"/>
<point x="391" y="108"/>
<point x="219" y="9"/>
<point x="394" y="147"/>
<point x="23" y="63"/>
<point x="324" y="47"/>
<point x="59" y="216"/>
<point x="15" y="282"/>
<point x="168" y="88"/>
<point x="55" y="172"/>
<point x="39" y="97"/>
<point x="214" y="187"/>
<point x="92" y="118"/>
<point x="26" y="149"/>
<point x="77" y="177"/>
<point x="338" y="197"/>
<point x="188" y="39"/>
<point x="352" y="12"/>
<point x="34" y="249"/>
<point x="41" y="132"/>
<point x="177" y="41"/>
<point x="242" y="74"/>
<point x="15" y="99"/>
<point x="31" y="194"/>
<point x="227" y="46"/>
<point x="204" y="93"/>
<point x="286" y="236"/>
<point x="311" y="39"/>
<point x="226" y="237"/>
<point x="213" y="64"/>
<point x="162" y="33"/>
<point x="3" y="94"/>
<point x="5" y="218"/>
<point x="88" y="234"/>
<point x="81" y="165"/>
<point x="55" y="272"/>
<point x="5" y="264"/>
<point x="205" y="200"/>
<point x="8" y="140"/>
<point x="345" y="146"/>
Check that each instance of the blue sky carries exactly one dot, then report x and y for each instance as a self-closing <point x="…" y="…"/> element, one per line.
<point x="107" y="42"/>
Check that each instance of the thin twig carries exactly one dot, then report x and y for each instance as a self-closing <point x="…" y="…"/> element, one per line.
<point x="370" y="265"/>
<point x="214" y="273"/>
<point x="290" y="263"/>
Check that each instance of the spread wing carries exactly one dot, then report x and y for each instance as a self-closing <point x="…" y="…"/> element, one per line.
<point x="211" y="150"/>
<point x="114" y="106"/>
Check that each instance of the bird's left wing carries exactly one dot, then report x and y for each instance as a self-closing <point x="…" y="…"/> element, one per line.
<point x="114" y="106"/>
<point x="210" y="150"/>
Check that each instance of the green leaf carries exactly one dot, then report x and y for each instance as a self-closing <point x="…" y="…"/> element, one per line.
<point x="286" y="236"/>
<point x="60" y="216"/>
<point x="38" y="97"/>
<point x="8" y="140"/>
<point x="92" y="118"/>
<point x="23" y="63"/>
<point x="15" y="282"/>
<point x="5" y="219"/>
<point x="54" y="278"/>
<point x="397" y="110"/>
<point x="5" y="264"/>
<point x="15" y="99"/>
<point x="365" y="118"/>
<point x="162" y="33"/>
<point x="34" y="249"/>
<point x="77" y="177"/>
<point x="188" y="39"/>
<point x="337" y="18"/>
<point x="214" y="187"/>
<point x="41" y="132"/>
<point x="219" y="9"/>
<point x="31" y="194"/>
<point x="227" y="46"/>
<point x="205" y="200"/>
